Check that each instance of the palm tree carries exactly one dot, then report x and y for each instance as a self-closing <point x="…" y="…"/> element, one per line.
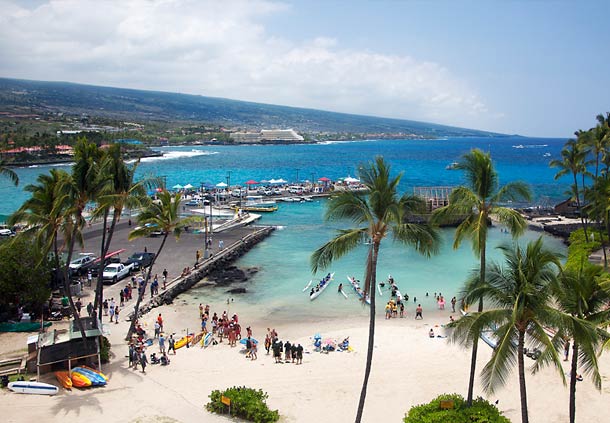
<point x="8" y="173"/>
<point x="44" y="212"/>
<point x="519" y="297"/>
<point x="477" y="203"/>
<point x="381" y="213"/>
<point x="122" y="191"/>
<point x="83" y="187"/>
<point x="573" y="162"/>
<point x="584" y="300"/>
<point x="160" y="215"/>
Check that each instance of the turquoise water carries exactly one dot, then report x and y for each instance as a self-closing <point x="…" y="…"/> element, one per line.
<point x="283" y="259"/>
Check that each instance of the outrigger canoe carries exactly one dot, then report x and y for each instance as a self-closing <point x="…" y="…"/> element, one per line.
<point x="358" y="290"/>
<point x="317" y="293"/>
<point x="39" y="388"/>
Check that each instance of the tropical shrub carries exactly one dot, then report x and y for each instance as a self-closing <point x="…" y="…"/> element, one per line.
<point x="480" y="412"/>
<point x="105" y="350"/>
<point x="246" y="403"/>
<point x="580" y="250"/>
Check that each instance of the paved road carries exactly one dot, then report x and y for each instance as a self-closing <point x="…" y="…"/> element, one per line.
<point x="176" y="254"/>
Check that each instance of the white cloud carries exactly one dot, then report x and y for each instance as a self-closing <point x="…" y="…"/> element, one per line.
<point x="222" y="49"/>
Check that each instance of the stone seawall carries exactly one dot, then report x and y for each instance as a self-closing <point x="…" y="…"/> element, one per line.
<point x="218" y="261"/>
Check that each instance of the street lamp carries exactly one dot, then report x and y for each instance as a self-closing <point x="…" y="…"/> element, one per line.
<point x="298" y="175"/>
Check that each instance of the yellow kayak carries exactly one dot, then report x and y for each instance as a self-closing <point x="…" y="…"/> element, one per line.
<point x="183" y="341"/>
<point x="80" y="381"/>
<point x="63" y="376"/>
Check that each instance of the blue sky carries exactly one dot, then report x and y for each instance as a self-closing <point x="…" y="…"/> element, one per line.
<point x="535" y="68"/>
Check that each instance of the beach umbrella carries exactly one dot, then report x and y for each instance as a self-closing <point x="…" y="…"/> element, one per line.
<point x="324" y="179"/>
<point x="252" y="182"/>
<point x="221" y="185"/>
<point x="177" y="186"/>
<point x="243" y="341"/>
<point x="281" y="181"/>
<point x="273" y="181"/>
<point x="188" y="186"/>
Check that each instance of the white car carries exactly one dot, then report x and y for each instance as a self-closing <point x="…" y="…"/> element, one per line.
<point x="114" y="272"/>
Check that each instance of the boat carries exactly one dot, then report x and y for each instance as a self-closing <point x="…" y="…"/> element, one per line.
<point x="307" y="198"/>
<point x="183" y="341"/>
<point x="343" y="293"/>
<point x="322" y="286"/>
<point x="379" y="288"/>
<point x="256" y="208"/>
<point x="63" y="377"/>
<point x="354" y="283"/>
<point x="38" y="388"/>
<point x="79" y="380"/>
<point x="257" y="203"/>
<point x="96" y="379"/>
<point x="452" y="166"/>
<point x="96" y="371"/>
<point x="308" y="285"/>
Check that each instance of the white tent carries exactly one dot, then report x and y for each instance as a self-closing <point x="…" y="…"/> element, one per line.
<point x="177" y="186"/>
<point x="281" y="181"/>
<point x="351" y="180"/>
<point x="188" y="186"/>
<point x="221" y="185"/>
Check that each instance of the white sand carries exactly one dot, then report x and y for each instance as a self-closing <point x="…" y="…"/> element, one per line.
<point x="409" y="368"/>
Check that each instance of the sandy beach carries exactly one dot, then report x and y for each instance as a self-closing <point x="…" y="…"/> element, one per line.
<point x="409" y="368"/>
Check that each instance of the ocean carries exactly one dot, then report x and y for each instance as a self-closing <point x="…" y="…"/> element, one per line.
<point x="283" y="258"/>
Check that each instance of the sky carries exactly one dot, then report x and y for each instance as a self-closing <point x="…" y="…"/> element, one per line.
<point x="535" y="68"/>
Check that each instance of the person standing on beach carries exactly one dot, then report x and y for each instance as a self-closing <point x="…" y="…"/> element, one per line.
<point x="143" y="361"/>
<point x="162" y="343"/>
<point x="197" y="257"/>
<point x="267" y="342"/>
<point x="299" y="354"/>
<point x="160" y="321"/>
<point x="170" y="343"/>
<point x="105" y="305"/>
<point x="287" y="350"/>
<point x="116" y="315"/>
<point x="453" y="301"/>
<point x="418" y="312"/>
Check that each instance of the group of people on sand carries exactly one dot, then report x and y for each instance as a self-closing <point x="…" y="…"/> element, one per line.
<point x="293" y="353"/>
<point x="320" y="284"/>
<point x="393" y="308"/>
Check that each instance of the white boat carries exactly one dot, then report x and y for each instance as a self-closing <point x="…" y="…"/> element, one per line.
<point x="38" y="388"/>
<point x="358" y="290"/>
<point x="327" y="282"/>
<point x="308" y="285"/>
<point x="452" y="166"/>
<point x="307" y="198"/>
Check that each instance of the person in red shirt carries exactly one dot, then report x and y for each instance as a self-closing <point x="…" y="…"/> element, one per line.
<point x="160" y="321"/>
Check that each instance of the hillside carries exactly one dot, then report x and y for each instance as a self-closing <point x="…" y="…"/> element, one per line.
<point x="121" y="103"/>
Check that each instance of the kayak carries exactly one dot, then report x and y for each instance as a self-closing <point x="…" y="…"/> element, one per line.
<point x="96" y="371"/>
<point x="183" y="341"/>
<point x="96" y="379"/>
<point x="38" y="388"/>
<point x="316" y="294"/>
<point x="63" y="377"/>
<point x="79" y="380"/>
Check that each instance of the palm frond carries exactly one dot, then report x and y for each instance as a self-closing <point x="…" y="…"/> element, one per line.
<point x="345" y="241"/>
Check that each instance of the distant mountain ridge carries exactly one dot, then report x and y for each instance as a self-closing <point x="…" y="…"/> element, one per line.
<point x="123" y="103"/>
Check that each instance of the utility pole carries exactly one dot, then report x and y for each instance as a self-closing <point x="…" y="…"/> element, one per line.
<point x="298" y="175"/>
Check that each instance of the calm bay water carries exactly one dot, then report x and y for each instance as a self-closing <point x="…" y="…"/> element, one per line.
<point x="283" y="259"/>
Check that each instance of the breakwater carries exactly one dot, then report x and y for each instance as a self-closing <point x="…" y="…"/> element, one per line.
<point x="218" y="261"/>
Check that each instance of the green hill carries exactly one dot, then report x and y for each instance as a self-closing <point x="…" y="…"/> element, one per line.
<point x="124" y="104"/>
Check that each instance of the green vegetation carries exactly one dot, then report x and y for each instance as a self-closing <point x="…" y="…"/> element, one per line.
<point x="481" y="411"/>
<point x="381" y="213"/>
<point x="246" y="403"/>
<point x="24" y="276"/>
<point x="105" y="350"/>
<point x="477" y="203"/>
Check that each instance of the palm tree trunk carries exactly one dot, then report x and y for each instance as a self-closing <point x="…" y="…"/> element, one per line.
<point x="573" y="382"/>
<point x="97" y="303"/>
<point x="66" y="285"/>
<point x="582" y="218"/>
<point x="522" y="390"/>
<point x="136" y="309"/>
<point x="475" y="342"/>
<point x="371" y="281"/>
